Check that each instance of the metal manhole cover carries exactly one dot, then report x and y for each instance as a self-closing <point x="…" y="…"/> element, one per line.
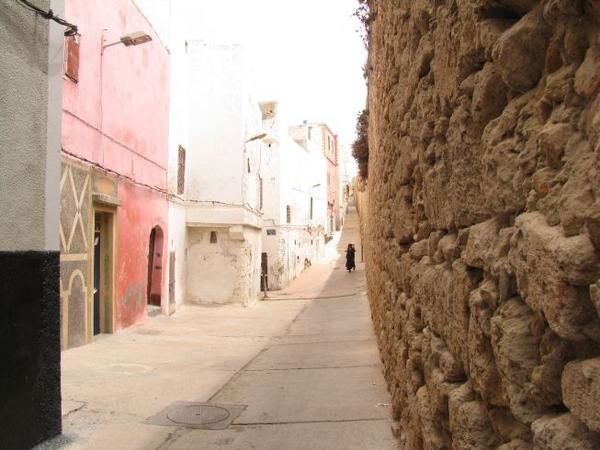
<point x="206" y="416"/>
<point x="197" y="414"/>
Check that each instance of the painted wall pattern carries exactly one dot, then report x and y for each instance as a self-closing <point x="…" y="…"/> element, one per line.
<point x="75" y="225"/>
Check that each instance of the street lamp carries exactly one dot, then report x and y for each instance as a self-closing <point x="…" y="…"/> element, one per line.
<point x="131" y="39"/>
<point x="256" y="137"/>
<point x="128" y="40"/>
<point x="264" y="137"/>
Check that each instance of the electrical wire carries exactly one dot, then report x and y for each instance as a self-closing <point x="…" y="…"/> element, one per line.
<point x="157" y="189"/>
<point x="71" y="29"/>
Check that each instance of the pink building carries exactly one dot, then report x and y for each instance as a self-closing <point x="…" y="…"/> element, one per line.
<point x="330" y="150"/>
<point x="114" y="211"/>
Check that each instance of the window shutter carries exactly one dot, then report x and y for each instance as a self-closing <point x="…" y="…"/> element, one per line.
<point x="72" y="57"/>
<point x="181" y="171"/>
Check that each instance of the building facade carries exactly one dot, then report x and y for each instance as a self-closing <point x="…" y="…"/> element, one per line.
<point x="114" y="210"/>
<point x="330" y="149"/>
<point x="319" y="137"/>
<point x="214" y="187"/>
<point x="295" y="206"/>
<point x="31" y="50"/>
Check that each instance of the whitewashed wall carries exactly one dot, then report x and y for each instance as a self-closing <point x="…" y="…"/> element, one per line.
<point x="216" y="128"/>
<point x="222" y="172"/>
<point x="219" y="272"/>
<point x="295" y="174"/>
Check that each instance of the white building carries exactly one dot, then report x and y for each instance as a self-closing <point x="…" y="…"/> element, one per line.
<point x="295" y="202"/>
<point x="219" y="184"/>
<point x="215" y="222"/>
<point x="318" y="137"/>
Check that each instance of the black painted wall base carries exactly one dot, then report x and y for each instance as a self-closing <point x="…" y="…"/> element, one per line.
<point x="30" y="403"/>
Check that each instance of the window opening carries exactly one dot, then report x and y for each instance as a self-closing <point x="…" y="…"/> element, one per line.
<point x="181" y="170"/>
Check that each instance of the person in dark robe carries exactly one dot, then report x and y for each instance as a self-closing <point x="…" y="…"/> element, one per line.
<point x="350" y="264"/>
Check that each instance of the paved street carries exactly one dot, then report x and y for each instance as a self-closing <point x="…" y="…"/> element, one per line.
<point x="303" y="366"/>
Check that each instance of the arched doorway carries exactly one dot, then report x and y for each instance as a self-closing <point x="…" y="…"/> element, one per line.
<point x="155" y="267"/>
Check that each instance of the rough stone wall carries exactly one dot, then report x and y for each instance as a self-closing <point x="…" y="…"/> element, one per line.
<point x="484" y="220"/>
<point x="361" y="200"/>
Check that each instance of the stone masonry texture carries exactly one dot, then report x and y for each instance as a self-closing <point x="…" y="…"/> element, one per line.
<point x="483" y="222"/>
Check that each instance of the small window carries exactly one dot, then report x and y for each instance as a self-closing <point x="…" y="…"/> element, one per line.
<point x="311" y="208"/>
<point x="181" y="171"/>
<point x="248" y="165"/>
<point x="72" y="57"/>
<point x="260" y="194"/>
<point x="213" y="237"/>
<point x="288" y="214"/>
<point x="309" y="133"/>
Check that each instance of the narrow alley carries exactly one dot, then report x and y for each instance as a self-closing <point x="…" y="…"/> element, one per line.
<point x="300" y="370"/>
<point x="180" y="185"/>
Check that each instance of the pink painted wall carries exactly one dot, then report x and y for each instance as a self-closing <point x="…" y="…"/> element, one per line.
<point x="332" y="174"/>
<point x="117" y="117"/>
<point x="142" y="210"/>
<point x="336" y="178"/>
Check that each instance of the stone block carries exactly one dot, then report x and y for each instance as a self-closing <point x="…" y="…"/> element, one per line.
<point x="516" y="444"/>
<point x="449" y="247"/>
<point x="520" y="52"/>
<point x="551" y="272"/>
<point x="516" y="335"/>
<point x="546" y="377"/>
<point x="443" y="295"/>
<point x="432" y="241"/>
<point x="483" y="371"/>
<point x="563" y="432"/>
<point x="419" y="249"/>
<point x="433" y="435"/>
<point x="595" y="296"/>
<point x="552" y="142"/>
<point x="506" y="427"/>
<point x="469" y="422"/>
<point x="489" y="96"/>
<point x="479" y="251"/>
<point x="581" y="391"/>
<point x="587" y="78"/>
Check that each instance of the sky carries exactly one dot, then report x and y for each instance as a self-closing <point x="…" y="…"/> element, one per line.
<point x="306" y="54"/>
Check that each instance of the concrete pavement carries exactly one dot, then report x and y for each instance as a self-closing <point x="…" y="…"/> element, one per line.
<point x="304" y="367"/>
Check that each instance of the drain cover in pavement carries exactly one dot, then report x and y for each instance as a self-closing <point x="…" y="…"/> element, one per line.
<point x="197" y="414"/>
<point x="207" y="416"/>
